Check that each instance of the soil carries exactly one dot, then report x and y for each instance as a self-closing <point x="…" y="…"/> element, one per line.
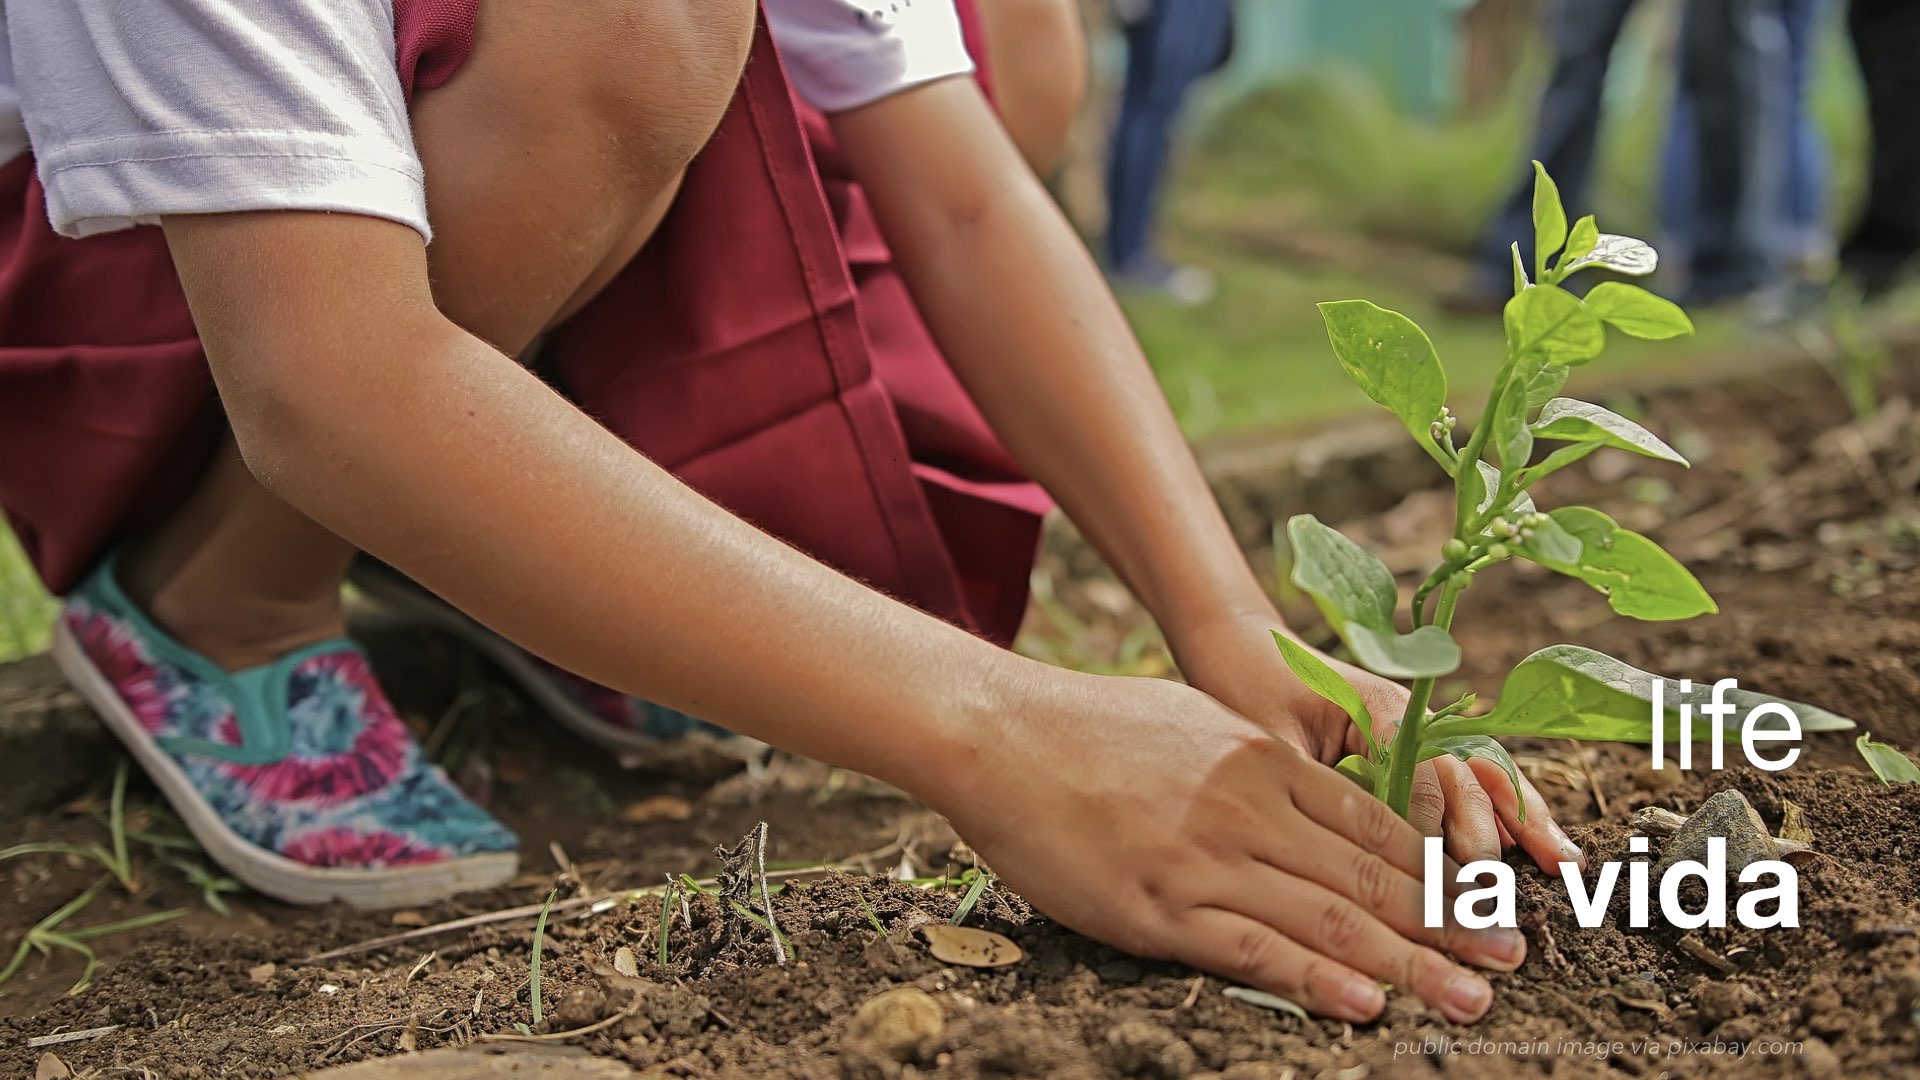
<point x="1801" y="524"/>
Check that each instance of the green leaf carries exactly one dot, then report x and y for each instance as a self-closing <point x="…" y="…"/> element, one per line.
<point x="1580" y="241"/>
<point x="1357" y="769"/>
<point x="1551" y="543"/>
<point x="1520" y="282"/>
<point x="1552" y="323"/>
<point x="1391" y="359"/>
<point x="1570" y="692"/>
<point x="1511" y="437"/>
<point x="1887" y="762"/>
<point x="1640" y="580"/>
<point x="1633" y="310"/>
<point x="1467" y="747"/>
<point x="1549" y="220"/>
<point x="1540" y="378"/>
<point x="1355" y="592"/>
<point x="1575" y="421"/>
<point x="1621" y="254"/>
<point x="1323" y="680"/>
<point x="1490" y="485"/>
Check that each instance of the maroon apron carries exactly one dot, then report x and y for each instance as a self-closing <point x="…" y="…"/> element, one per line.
<point x="761" y="346"/>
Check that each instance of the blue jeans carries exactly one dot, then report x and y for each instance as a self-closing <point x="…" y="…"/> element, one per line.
<point x="1801" y="229"/>
<point x="1732" y="61"/>
<point x="1737" y="228"/>
<point x="1168" y="51"/>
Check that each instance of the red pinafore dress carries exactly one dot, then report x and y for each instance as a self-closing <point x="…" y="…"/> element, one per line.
<point x="762" y="346"/>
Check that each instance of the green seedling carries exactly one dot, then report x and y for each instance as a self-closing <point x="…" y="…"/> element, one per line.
<point x="873" y="917"/>
<point x="533" y="978"/>
<point x="47" y="935"/>
<point x="666" y="920"/>
<point x="1563" y="691"/>
<point x="1887" y="762"/>
<point x="114" y="860"/>
<point x="213" y="887"/>
<point x="981" y="880"/>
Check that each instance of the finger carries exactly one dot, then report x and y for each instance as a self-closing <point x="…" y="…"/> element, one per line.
<point x="1334" y="803"/>
<point x="1249" y="951"/>
<point x="1539" y="835"/>
<point x="1473" y="829"/>
<point x="1427" y="809"/>
<point x="1395" y="898"/>
<point x="1344" y="931"/>
<point x="1506" y="838"/>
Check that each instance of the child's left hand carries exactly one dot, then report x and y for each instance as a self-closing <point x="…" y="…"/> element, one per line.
<point x="1472" y="804"/>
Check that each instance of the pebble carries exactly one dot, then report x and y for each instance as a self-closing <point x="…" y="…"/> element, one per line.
<point x="1726" y="814"/>
<point x="1818" y="1060"/>
<point x="895" y="1023"/>
<point x="1143" y="1048"/>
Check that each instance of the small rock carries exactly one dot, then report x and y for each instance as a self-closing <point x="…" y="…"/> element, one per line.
<point x="1719" y="1002"/>
<point x="1817" y="1059"/>
<point x="1659" y="779"/>
<point x="894" y="1024"/>
<point x="1142" y="1048"/>
<point x="261" y="972"/>
<point x="1729" y="815"/>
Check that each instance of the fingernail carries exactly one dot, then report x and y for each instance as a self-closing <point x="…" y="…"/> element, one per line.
<point x="1502" y="946"/>
<point x="1569" y="850"/>
<point x="1361" y="999"/>
<point x="1467" y="996"/>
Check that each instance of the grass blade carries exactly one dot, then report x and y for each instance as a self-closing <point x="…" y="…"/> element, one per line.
<point x="117" y="825"/>
<point x="981" y="879"/>
<point x="666" y="921"/>
<point x="151" y="918"/>
<point x="868" y="908"/>
<point x="539" y="941"/>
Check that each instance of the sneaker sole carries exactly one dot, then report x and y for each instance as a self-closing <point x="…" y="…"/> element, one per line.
<point x="379" y="586"/>
<point x="265" y="871"/>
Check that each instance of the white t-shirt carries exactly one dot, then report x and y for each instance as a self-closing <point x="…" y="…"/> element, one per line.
<point x="139" y="108"/>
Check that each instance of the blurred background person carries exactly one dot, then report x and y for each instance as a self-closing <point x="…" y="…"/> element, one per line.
<point x="1738" y="141"/>
<point x="1802" y="245"/>
<point x="1037" y="52"/>
<point x="1171" y="45"/>
<point x="1733" y="72"/>
<point x="1886" y="38"/>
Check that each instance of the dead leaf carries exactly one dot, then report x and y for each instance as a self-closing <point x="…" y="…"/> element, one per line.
<point x="262" y="972"/>
<point x="51" y="1068"/>
<point x="407" y="918"/>
<point x="1793" y="823"/>
<point x="624" y="963"/>
<point x="657" y="808"/>
<point x="969" y="947"/>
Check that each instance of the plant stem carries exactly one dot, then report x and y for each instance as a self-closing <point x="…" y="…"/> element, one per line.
<point x="1405" y="754"/>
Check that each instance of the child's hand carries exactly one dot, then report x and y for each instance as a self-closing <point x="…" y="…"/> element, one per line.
<point x="1144" y="813"/>
<point x="1472" y="804"/>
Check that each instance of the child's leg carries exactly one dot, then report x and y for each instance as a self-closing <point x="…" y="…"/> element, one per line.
<point x="237" y="575"/>
<point x="551" y="155"/>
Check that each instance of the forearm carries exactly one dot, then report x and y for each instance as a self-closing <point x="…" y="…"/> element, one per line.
<point x="427" y="448"/>
<point x="1029" y="326"/>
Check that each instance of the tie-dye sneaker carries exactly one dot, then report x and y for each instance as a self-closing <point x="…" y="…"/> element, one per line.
<point x="297" y="777"/>
<point x="651" y="734"/>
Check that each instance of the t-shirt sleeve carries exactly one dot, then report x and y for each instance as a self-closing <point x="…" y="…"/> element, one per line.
<point x="842" y="54"/>
<point x="141" y="108"/>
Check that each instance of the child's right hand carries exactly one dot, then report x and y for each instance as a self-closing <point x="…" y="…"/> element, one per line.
<point x="1144" y="813"/>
